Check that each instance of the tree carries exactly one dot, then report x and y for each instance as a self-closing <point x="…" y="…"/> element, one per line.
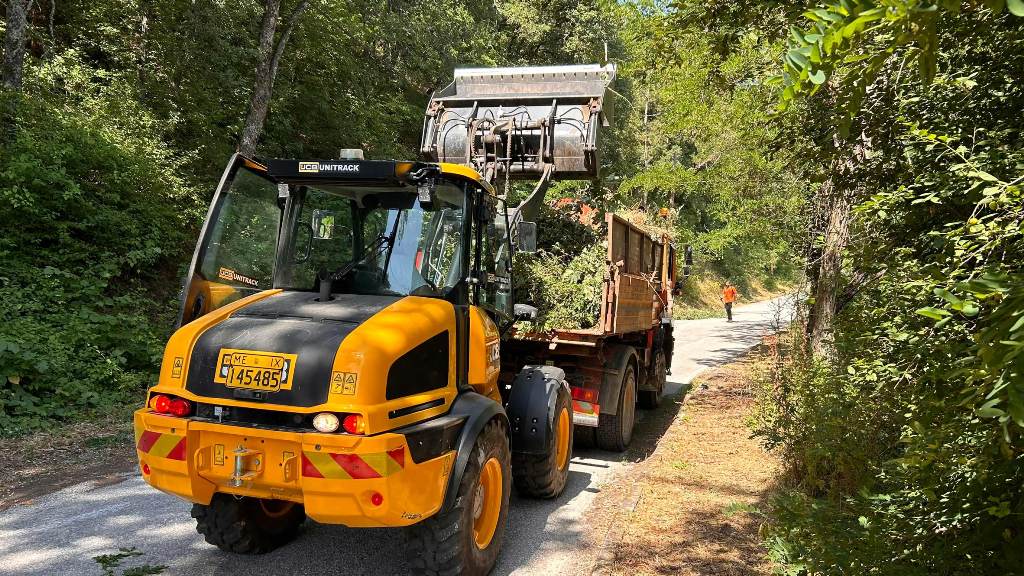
<point x="14" y="43"/>
<point x="267" y="61"/>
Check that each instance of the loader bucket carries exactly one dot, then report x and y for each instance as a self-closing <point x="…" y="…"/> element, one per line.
<point x="531" y="123"/>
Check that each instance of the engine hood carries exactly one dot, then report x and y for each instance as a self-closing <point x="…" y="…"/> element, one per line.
<point x="292" y="324"/>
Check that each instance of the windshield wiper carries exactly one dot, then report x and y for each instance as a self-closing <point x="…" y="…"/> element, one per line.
<point x="370" y="250"/>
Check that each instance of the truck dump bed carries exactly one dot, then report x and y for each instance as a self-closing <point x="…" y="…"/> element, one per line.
<point x="637" y="287"/>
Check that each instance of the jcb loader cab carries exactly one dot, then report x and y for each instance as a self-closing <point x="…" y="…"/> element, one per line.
<point x="338" y="357"/>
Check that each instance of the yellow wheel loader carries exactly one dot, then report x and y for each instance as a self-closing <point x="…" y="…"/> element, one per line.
<point x="339" y="344"/>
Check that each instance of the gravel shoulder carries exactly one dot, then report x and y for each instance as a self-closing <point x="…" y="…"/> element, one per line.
<point x="689" y="508"/>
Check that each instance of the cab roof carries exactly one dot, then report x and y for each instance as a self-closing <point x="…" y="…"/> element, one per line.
<point x="393" y="172"/>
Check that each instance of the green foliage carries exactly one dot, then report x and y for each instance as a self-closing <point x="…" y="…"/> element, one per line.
<point x="926" y="392"/>
<point x="110" y="562"/>
<point x="699" y="118"/>
<point x="130" y="111"/>
<point x="564" y="279"/>
<point x="94" y="213"/>
<point x="856" y="38"/>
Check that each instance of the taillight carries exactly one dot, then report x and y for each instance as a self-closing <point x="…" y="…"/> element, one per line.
<point x="180" y="407"/>
<point x="353" y="424"/>
<point x="163" y="404"/>
<point x="584" y="394"/>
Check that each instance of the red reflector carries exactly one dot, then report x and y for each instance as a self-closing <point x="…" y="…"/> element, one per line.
<point x="584" y="394"/>
<point x="419" y="260"/>
<point x="353" y="424"/>
<point x="180" y="407"/>
<point x="145" y="469"/>
<point x="377" y="499"/>
<point x="161" y="404"/>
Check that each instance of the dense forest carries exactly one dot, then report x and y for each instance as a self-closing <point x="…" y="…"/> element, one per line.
<point x="870" y="148"/>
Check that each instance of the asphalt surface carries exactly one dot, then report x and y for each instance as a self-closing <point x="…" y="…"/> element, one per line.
<point x="62" y="532"/>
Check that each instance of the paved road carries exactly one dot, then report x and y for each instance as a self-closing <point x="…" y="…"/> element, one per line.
<point x="60" y="533"/>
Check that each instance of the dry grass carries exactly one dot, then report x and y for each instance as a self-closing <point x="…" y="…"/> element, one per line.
<point x="686" y="505"/>
<point x="40" y="463"/>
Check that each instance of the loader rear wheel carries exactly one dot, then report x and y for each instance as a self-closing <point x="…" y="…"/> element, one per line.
<point x="466" y="539"/>
<point x="544" y="475"/>
<point x="248" y="525"/>
<point x="615" y="431"/>
<point x="652" y="398"/>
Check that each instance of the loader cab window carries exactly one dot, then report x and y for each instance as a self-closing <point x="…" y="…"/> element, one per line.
<point x="375" y="240"/>
<point x="236" y="254"/>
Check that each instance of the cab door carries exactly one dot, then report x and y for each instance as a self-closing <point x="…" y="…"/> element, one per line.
<point x="237" y="247"/>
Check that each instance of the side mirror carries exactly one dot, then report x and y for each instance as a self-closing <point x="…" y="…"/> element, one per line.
<point x="689" y="262"/>
<point x="524" y="312"/>
<point x="527" y="238"/>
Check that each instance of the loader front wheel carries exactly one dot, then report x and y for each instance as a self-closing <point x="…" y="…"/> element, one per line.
<point x="248" y="525"/>
<point x="544" y="475"/>
<point x="466" y="539"/>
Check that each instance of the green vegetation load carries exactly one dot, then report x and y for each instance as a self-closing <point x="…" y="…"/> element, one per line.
<point x="565" y="277"/>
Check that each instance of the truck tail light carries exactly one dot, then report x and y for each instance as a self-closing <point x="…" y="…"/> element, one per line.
<point x="581" y="394"/>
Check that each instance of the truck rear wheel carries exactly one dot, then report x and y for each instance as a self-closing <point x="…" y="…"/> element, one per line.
<point x="248" y="525"/>
<point x="614" y="431"/>
<point x="652" y="398"/>
<point x="544" y="475"/>
<point x="467" y="538"/>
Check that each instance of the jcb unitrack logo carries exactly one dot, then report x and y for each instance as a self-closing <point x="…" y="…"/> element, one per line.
<point x="325" y="167"/>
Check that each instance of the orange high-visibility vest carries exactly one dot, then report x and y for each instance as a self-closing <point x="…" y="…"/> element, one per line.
<point x="729" y="294"/>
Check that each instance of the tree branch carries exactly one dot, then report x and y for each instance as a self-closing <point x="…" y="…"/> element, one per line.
<point x="285" y="34"/>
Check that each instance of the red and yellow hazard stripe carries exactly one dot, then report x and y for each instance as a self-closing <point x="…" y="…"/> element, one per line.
<point x="169" y="446"/>
<point x="352" y="466"/>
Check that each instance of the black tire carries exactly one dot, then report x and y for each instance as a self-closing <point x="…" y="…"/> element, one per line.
<point x="445" y="543"/>
<point x="248" y="525"/>
<point x="652" y="398"/>
<point x="583" y="437"/>
<point x="542" y="475"/>
<point x="615" y="431"/>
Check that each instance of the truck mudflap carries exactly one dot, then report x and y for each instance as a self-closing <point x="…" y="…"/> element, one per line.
<point x="359" y="481"/>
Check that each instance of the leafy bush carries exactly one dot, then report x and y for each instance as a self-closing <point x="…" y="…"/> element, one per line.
<point x="95" y="220"/>
<point x="927" y="381"/>
<point x="565" y="277"/>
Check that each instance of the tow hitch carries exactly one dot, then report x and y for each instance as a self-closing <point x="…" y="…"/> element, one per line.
<point x="242" y="474"/>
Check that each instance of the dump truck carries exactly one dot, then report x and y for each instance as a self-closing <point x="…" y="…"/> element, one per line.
<point x="622" y="362"/>
<point x="340" y="346"/>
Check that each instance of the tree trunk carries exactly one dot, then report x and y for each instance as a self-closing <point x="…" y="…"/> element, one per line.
<point x="836" y="216"/>
<point x="267" y="61"/>
<point x="829" y="272"/>
<point x="14" y="43"/>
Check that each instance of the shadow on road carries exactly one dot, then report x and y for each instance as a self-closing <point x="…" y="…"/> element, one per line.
<point x="62" y="534"/>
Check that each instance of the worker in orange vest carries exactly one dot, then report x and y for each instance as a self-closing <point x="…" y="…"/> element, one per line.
<point x="729" y="296"/>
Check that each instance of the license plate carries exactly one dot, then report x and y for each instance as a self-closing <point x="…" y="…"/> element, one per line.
<point x="255" y="370"/>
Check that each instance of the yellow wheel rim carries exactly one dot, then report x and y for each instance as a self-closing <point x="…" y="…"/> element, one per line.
<point x="562" y="437"/>
<point x="487" y="503"/>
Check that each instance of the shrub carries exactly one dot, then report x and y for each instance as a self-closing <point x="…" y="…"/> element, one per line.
<point x="95" y="218"/>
